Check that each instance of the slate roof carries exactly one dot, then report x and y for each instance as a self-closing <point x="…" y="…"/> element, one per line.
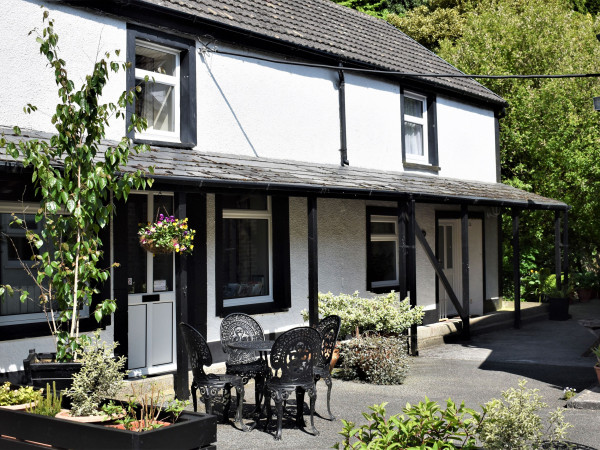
<point x="216" y="170"/>
<point x="332" y="29"/>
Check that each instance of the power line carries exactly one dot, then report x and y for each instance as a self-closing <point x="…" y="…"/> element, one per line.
<point x="403" y="74"/>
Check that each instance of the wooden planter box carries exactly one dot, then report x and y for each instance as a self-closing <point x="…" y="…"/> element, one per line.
<point x="22" y="430"/>
<point x="42" y="368"/>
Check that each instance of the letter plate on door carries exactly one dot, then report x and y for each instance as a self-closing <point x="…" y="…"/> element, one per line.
<point x="151" y="298"/>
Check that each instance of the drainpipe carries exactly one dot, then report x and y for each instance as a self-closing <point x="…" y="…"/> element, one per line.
<point x="342" y="95"/>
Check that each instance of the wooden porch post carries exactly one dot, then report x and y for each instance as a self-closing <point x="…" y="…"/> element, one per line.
<point x="411" y="269"/>
<point x="313" y="262"/>
<point x="516" y="266"/>
<point x="464" y="221"/>
<point x="402" y="250"/>
<point x="557" y="250"/>
<point x="566" y="247"/>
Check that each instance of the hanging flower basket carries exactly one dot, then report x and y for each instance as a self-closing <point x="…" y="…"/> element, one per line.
<point x="167" y="235"/>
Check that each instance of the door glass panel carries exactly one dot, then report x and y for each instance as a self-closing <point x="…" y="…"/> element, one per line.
<point x="441" y="245"/>
<point x="137" y="210"/>
<point x="449" y="255"/>
<point x="163" y="264"/>
<point x="384" y="261"/>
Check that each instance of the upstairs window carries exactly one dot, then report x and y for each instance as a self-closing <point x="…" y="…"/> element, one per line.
<point x="415" y="128"/>
<point x="158" y="101"/>
<point x="167" y="100"/>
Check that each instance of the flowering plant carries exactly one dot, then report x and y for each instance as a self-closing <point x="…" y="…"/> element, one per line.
<point x="167" y="235"/>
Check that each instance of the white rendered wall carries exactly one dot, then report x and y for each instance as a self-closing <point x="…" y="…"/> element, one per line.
<point x="466" y="141"/>
<point x="83" y="39"/>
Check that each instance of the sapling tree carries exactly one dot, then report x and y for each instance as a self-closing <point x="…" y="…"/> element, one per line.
<point x="76" y="179"/>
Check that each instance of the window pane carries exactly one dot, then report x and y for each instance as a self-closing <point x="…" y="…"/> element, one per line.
<point x="162" y="264"/>
<point x="253" y="202"/>
<point x="136" y="261"/>
<point x="449" y="254"/>
<point x="245" y="258"/>
<point x="441" y="245"/>
<point x="413" y="107"/>
<point x="383" y="228"/>
<point x="156" y="103"/>
<point x="383" y="257"/>
<point x="413" y="138"/>
<point x="155" y="60"/>
<point x="14" y="248"/>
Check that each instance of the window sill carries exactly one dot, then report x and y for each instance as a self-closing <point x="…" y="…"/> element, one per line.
<point x="257" y="308"/>
<point x="157" y="143"/>
<point x="419" y="166"/>
<point x="385" y="289"/>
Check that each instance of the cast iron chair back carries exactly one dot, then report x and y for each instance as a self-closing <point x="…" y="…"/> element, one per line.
<point x="329" y="327"/>
<point x="295" y="353"/>
<point x="198" y="350"/>
<point x="238" y="327"/>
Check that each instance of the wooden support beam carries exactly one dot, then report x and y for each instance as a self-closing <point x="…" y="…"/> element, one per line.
<point x="557" y="250"/>
<point x="516" y="215"/>
<point x="402" y="250"/>
<point x="411" y="269"/>
<point x="464" y="230"/>
<point x="565" y="247"/>
<point x="439" y="271"/>
<point x="313" y="262"/>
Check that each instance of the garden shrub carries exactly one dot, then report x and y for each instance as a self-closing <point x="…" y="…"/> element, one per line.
<point x="374" y="358"/>
<point x="514" y="423"/>
<point x="383" y="313"/>
<point x="427" y="425"/>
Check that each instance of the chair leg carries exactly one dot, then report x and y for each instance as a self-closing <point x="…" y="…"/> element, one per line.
<point x="239" y="391"/>
<point x="312" y="394"/>
<point x="279" y="406"/>
<point x="226" y="403"/>
<point x="300" y="408"/>
<point x="194" y="388"/>
<point x="259" y="387"/>
<point x="268" y="408"/>
<point x="329" y="384"/>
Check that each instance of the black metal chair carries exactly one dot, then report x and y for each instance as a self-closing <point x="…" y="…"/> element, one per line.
<point x="329" y="328"/>
<point x="210" y="384"/>
<point x="238" y="327"/>
<point x="293" y="356"/>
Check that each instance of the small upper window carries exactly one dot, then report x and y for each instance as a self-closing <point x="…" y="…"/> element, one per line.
<point x="158" y="101"/>
<point x="415" y="128"/>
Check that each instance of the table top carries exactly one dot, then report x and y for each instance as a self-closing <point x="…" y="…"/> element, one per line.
<point x="259" y="346"/>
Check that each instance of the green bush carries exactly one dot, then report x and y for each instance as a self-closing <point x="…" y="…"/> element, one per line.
<point x="24" y="394"/>
<point x="382" y="313"/>
<point x="426" y="426"/>
<point x="514" y="422"/>
<point x="375" y="359"/>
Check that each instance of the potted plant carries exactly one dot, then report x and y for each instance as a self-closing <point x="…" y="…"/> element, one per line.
<point x="167" y="235"/>
<point x="558" y="303"/>
<point x="77" y="180"/>
<point x="17" y="397"/>
<point x="586" y="285"/>
<point x="596" y="351"/>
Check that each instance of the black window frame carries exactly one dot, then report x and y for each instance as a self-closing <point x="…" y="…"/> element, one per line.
<point x="280" y="222"/>
<point x="187" y="92"/>
<point x="432" y="145"/>
<point x="380" y="211"/>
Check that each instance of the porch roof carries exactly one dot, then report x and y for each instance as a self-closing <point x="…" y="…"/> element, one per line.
<point x="214" y="171"/>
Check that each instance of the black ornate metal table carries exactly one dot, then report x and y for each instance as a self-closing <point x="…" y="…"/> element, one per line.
<point x="263" y="347"/>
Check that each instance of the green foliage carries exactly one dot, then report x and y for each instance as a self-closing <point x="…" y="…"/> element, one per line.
<point x="374" y="358"/>
<point x="176" y="407"/>
<point x="550" y="137"/>
<point x="75" y="179"/>
<point x="586" y="280"/>
<point x="382" y="313"/>
<point x="49" y="404"/>
<point x="24" y="394"/>
<point x="569" y="393"/>
<point x="596" y="351"/>
<point x="514" y="421"/>
<point x="100" y="377"/>
<point x="381" y="8"/>
<point x="426" y="425"/>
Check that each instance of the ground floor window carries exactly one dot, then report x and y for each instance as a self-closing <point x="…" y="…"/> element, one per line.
<point x="382" y="247"/>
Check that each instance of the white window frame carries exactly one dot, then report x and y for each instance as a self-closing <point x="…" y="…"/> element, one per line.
<point x="265" y="214"/>
<point x="18" y="319"/>
<point x="170" y="80"/>
<point x="387" y="238"/>
<point x="420" y="159"/>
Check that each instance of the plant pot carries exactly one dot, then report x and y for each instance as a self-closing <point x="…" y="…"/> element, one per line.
<point x="191" y="431"/>
<point x="334" y="358"/>
<point x="585" y="295"/>
<point x="597" y="369"/>
<point x="558" y="308"/>
<point x="42" y="369"/>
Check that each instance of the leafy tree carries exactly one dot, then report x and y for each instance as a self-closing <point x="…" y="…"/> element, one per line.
<point x="75" y="178"/>
<point x="550" y="136"/>
<point x="381" y="8"/>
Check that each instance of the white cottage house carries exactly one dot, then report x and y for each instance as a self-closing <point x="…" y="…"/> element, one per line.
<point x="307" y="143"/>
